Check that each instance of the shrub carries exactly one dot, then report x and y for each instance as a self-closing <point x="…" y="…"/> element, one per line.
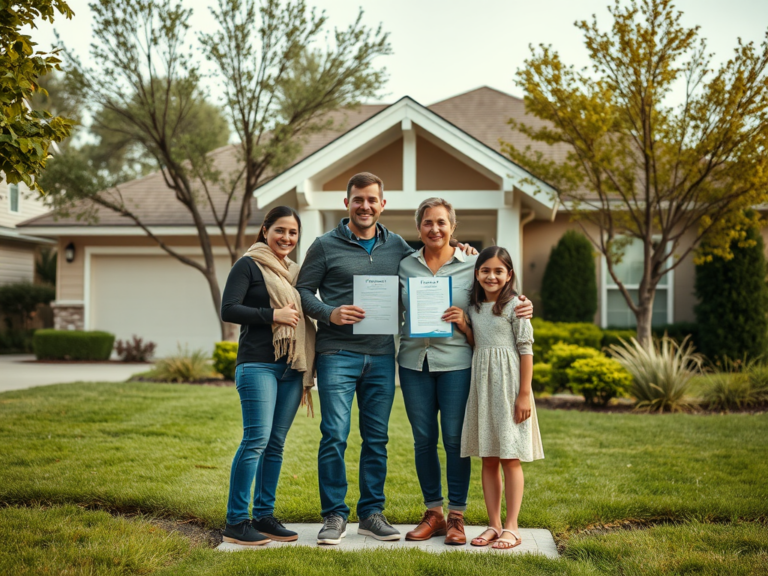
<point x="661" y="371"/>
<point x="678" y="331"/>
<point x="598" y="379"/>
<point x="569" y="286"/>
<point x="733" y="302"/>
<point x="16" y="341"/>
<point x="616" y="336"/>
<point x="542" y="377"/>
<point x="546" y="334"/>
<point x="135" y="350"/>
<point x="561" y="358"/>
<point x="736" y="386"/>
<point x="20" y="300"/>
<point x="184" y="366"/>
<point x="72" y="345"/>
<point x="225" y="359"/>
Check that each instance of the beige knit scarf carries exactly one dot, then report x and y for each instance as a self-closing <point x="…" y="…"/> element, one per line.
<point x="298" y="343"/>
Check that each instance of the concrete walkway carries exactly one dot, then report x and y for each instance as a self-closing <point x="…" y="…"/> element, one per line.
<point x="17" y="373"/>
<point x="535" y="541"/>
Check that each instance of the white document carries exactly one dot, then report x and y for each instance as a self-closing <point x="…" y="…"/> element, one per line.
<point x="428" y="299"/>
<point x="378" y="296"/>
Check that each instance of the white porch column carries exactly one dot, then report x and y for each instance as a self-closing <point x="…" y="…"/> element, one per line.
<point x="508" y="235"/>
<point x="409" y="156"/>
<point x="311" y="228"/>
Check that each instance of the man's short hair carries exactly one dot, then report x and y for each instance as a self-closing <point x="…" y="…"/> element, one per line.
<point x="362" y="180"/>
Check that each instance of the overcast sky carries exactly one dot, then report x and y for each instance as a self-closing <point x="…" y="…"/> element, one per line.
<point x="446" y="47"/>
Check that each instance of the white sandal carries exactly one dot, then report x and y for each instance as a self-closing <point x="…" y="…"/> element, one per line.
<point x="480" y="541"/>
<point x="506" y="543"/>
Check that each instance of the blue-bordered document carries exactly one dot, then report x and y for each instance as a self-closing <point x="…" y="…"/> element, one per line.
<point x="428" y="299"/>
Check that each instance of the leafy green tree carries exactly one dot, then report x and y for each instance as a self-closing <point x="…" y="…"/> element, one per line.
<point x="280" y="87"/>
<point x="149" y="110"/>
<point x="639" y="168"/>
<point x="26" y="132"/>
<point x="569" y="287"/>
<point x="733" y="301"/>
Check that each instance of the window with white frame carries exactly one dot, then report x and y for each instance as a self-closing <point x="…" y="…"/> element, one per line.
<point x="614" y="310"/>
<point x="13" y="198"/>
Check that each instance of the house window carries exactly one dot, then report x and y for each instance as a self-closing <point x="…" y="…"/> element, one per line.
<point x="13" y="198"/>
<point x="615" y="312"/>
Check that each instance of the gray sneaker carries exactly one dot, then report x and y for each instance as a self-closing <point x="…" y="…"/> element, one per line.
<point x="376" y="525"/>
<point x="333" y="530"/>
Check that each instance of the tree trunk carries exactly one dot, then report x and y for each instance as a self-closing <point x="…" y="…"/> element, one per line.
<point x="644" y="316"/>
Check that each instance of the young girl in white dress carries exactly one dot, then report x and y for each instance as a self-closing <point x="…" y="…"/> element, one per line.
<point x="500" y="424"/>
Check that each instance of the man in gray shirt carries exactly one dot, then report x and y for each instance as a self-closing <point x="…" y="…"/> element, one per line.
<point x="349" y="364"/>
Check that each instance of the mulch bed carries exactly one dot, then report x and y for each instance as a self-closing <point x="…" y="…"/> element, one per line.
<point x="112" y="362"/>
<point x="625" y="406"/>
<point x="205" y="382"/>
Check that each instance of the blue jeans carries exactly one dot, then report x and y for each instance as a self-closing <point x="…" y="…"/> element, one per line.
<point x="339" y="376"/>
<point x="425" y="394"/>
<point x="270" y="394"/>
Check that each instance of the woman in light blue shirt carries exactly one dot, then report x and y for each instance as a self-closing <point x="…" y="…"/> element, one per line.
<point x="435" y="373"/>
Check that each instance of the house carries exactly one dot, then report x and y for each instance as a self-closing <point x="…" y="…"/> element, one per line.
<point x="118" y="280"/>
<point x="18" y="249"/>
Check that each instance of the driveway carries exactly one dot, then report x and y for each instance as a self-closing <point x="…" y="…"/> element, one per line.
<point x="17" y="373"/>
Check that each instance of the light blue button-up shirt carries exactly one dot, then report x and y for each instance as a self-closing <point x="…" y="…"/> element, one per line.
<point x="442" y="354"/>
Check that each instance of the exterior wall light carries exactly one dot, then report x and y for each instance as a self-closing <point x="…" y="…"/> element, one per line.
<point x="69" y="252"/>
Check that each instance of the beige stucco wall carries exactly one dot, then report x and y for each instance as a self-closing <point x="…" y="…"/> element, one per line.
<point x="539" y="237"/>
<point x="387" y="164"/>
<point x="438" y="170"/>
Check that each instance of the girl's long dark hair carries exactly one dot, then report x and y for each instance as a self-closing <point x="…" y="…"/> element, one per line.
<point x="477" y="295"/>
<point x="273" y="216"/>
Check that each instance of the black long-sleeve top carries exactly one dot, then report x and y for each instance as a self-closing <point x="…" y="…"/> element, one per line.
<point x="246" y="302"/>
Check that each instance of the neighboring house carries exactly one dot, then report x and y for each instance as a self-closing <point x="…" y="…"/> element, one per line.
<point x="18" y="249"/>
<point x="120" y="281"/>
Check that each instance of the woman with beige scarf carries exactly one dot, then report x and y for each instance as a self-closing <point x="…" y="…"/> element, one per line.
<point x="274" y="374"/>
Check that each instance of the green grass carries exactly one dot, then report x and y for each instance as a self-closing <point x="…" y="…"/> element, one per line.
<point x="74" y="541"/>
<point x="165" y="450"/>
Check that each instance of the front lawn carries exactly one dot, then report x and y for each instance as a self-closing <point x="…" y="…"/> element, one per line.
<point x="165" y="450"/>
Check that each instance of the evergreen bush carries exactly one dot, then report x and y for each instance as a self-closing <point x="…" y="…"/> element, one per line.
<point x="569" y="286"/>
<point x="546" y="334"/>
<point x="225" y="359"/>
<point x="611" y="336"/>
<point x="598" y="379"/>
<point x="733" y="302"/>
<point x="72" y="345"/>
<point x="561" y="358"/>
<point x="542" y="377"/>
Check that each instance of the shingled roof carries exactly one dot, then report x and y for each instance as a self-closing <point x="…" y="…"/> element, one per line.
<point x="481" y="113"/>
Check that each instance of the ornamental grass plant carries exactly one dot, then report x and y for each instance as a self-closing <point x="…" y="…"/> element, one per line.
<point x="736" y="385"/>
<point x="184" y="366"/>
<point x="661" y="371"/>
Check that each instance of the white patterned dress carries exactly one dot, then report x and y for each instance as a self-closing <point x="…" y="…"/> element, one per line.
<point x="489" y="421"/>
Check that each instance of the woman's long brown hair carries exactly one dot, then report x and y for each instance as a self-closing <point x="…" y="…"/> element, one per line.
<point x="477" y="295"/>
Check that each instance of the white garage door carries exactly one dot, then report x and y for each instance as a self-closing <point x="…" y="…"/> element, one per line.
<point x="155" y="297"/>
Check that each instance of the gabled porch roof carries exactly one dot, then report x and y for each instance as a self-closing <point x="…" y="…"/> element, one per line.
<point x="408" y="119"/>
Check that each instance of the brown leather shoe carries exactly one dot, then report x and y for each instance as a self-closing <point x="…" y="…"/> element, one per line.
<point x="432" y="524"/>
<point x="455" y="529"/>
